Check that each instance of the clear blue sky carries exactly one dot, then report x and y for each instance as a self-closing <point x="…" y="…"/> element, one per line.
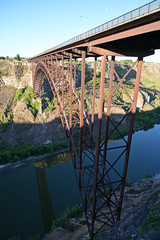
<point x="29" y="27"/>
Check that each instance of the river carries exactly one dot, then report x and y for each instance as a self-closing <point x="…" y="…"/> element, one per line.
<point x="32" y="195"/>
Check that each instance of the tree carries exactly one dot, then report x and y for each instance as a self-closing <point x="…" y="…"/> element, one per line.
<point x="18" y="58"/>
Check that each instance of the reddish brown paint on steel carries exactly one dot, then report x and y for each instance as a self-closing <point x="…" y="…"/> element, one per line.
<point x="134" y="103"/>
<point x="99" y="180"/>
<point x="75" y="75"/>
<point x="98" y="142"/>
<point x="155" y="26"/>
<point x="96" y="210"/>
<point x="101" y="51"/>
<point x="70" y="109"/>
<point x="94" y="93"/>
<point x="108" y="109"/>
<point x="81" y="115"/>
<point x="70" y="78"/>
<point x="62" y="81"/>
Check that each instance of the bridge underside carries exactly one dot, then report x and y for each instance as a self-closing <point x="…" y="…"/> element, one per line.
<point x="100" y="167"/>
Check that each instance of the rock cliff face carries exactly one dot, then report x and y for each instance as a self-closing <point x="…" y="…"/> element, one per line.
<point x="19" y="75"/>
<point x="140" y="217"/>
<point x="21" y="114"/>
<point x="27" y="126"/>
<point x="45" y="128"/>
<point x="15" y="74"/>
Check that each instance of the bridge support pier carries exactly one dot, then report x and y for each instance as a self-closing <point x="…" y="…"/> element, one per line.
<point x="133" y="112"/>
<point x="100" y="166"/>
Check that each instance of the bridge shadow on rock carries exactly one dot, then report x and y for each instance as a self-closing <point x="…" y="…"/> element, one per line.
<point x="22" y="140"/>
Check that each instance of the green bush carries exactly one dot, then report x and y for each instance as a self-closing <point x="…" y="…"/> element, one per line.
<point x="50" y="105"/>
<point x="152" y="222"/>
<point x="155" y="207"/>
<point x="128" y="183"/>
<point x="148" y="175"/>
<point x="14" y="238"/>
<point x="8" y="154"/>
<point x="19" y="94"/>
<point x="63" y="220"/>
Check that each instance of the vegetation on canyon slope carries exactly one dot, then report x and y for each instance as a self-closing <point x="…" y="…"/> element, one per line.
<point x="146" y="117"/>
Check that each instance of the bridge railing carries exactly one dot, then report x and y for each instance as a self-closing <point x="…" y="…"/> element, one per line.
<point x="132" y="15"/>
<point x="136" y="13"/>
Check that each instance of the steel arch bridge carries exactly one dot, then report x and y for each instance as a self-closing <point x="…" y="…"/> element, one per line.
<point x="101" y="182"/>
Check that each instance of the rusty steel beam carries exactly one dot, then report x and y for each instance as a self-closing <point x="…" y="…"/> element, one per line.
<point x="62" y="82"/>
<point x="70" y="108"/>
<point x="101" y="51"/>
<point x="133" y="112"/>
<point x="75" y="75"/>
<point x="94" y="93"/>
<point x="98" y="143"/>
<point x="108" y="110"/>
<point x="81" y="115"/>
<point x="154" y="26"/>
<point x="66" y="54"/>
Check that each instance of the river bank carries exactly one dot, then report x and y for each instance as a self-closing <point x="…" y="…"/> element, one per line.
<point x="140" y="216"/>
<point x="25" y="161"/>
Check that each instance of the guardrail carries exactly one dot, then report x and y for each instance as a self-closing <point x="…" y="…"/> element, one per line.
<point x="134" y="14"/>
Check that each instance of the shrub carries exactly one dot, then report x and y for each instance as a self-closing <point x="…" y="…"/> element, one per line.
<point x="63" y="220"/>
<point x="19" y="94"/>
<point x="14" y="238"/>
<point x="148" y="175"/>
<point x="155" y="207"/>
<point x="128" y="183"/>
<point x="152" y="222"/>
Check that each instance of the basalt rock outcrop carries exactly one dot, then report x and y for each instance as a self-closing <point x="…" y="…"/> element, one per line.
<point x="140" y="217"/>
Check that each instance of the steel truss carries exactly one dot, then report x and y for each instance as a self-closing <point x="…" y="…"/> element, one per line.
<point x="100" y="178"/>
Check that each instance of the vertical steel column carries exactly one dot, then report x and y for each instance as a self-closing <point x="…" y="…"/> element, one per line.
<point x="75" y="75"/>
<point x="52" y="65"/>
<point x="70" y="110"/>
<point x="33" y="79"/>
<point x="81" y="114"/>
<point x="48" y="61"/>
<point x="108" y="108"/>
<point x="56" y="71"/>
<point x="103" y="69"/>
<point x="94" y="93"/>
<point x="63" y="82"/>
<point x="68" y="69"/>
<point x="133" y="112"/>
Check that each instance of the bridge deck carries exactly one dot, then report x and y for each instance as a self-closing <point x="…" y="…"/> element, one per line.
<point x="131" y="29"/>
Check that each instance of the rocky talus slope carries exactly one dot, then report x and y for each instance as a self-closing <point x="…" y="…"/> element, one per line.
<point x="140" y="217"/>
